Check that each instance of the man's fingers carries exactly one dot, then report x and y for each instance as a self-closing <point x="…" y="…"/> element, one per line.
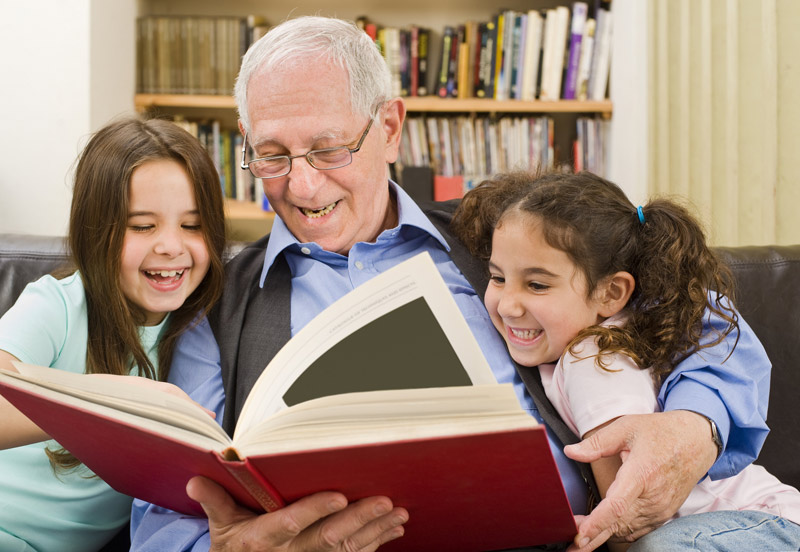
<point x="605" y="442"/>
<point x="614" y="511"/>
<point x="362" y="526"/>
<point x="216" y="502"/>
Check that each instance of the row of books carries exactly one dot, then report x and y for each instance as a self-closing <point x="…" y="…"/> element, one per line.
<point x="192" y="54"/>
<point x="547" y="54"/>
<point x="479" y="146"/>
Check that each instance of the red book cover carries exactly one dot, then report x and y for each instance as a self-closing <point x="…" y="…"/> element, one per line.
<point x="482" y="491"/>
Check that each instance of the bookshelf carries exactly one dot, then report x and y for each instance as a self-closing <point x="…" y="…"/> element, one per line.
<point x="427" y="104"/>
<point x="411" y="12"/>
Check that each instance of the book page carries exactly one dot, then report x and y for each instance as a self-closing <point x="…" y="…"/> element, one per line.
<point x="400" y="330"/>
<point x="121" y="394"/>
<point x="387" y="416"/>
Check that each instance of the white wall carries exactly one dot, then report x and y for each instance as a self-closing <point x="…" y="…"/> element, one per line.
<point x="628" y="152"/>
<point x="67" y="68"/>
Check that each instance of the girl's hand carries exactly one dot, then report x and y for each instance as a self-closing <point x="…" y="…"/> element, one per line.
<point x="161" y="386"/>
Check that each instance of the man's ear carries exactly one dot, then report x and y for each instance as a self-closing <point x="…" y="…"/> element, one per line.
<point x="391" y="118"/>
<point x="614" y="293"/>
<point x="241" y="126"/>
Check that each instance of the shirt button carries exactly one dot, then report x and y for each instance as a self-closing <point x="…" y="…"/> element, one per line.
<point x="305" y="250"/>
<point x="359" y="265"/>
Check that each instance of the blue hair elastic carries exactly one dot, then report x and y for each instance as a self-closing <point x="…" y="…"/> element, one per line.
<point x="640" y="213"/>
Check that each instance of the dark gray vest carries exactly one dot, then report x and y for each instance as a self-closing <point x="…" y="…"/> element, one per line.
<point x="251" y="323"/>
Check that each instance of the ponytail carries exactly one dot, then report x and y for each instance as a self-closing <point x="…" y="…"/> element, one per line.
<point x="677" y="278"/>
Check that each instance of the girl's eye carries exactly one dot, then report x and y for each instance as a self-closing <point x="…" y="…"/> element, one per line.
<point x="191" y="227"/>
<point x="141" y="227"/>
<point x="536" y="286"/>
<point x="497" y="279"/>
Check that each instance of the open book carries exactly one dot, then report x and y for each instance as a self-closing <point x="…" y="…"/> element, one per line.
<point x="474" y="470"/>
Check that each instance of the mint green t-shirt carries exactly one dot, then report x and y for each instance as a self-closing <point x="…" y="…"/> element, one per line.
<point x="39" y="510"/>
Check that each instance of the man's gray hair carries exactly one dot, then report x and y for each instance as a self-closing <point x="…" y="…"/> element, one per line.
<point x="323" y="39"/>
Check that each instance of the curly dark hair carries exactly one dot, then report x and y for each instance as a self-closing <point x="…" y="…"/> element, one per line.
<point x="591" y="220"/>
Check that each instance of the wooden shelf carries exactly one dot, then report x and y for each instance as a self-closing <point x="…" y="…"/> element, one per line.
<point x="413" y="104"/>
<point x="247" y="221"/>
<point x="246" y="210"/>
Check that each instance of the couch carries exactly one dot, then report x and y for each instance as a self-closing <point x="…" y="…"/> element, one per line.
<point x="768" y="280"/>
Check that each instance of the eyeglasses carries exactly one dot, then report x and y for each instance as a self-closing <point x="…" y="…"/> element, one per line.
<point x="325" y="159"/>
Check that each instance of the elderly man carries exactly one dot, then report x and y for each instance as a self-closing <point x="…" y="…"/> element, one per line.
<point x="316" y="108"/>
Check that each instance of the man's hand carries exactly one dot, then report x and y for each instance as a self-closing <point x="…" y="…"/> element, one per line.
<point x="320" y="522"/>
<point x="664" y="455"/>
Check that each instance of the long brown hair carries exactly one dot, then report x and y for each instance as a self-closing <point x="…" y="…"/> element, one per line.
<point x="97" y="225"/>
<point x="591" y="220"/>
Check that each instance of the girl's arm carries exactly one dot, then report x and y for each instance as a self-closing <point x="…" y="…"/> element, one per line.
<point x="15" y="428"/>
<point x="604" y="471"/>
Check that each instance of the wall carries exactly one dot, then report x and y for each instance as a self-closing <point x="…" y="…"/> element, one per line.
<point x="78" y="76"/>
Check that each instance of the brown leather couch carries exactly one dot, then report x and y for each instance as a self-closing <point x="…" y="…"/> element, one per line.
<point x="768" y="280"/>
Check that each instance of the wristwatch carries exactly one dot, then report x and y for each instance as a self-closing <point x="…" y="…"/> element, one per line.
<point x="715" y="435"/>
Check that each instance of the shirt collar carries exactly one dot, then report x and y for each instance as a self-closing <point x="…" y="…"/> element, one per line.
<point x="408" y="214"/>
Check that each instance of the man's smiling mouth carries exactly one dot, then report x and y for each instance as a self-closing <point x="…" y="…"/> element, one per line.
<point x="321" y="212"/>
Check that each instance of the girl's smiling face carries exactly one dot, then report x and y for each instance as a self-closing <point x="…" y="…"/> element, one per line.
<point x="537" y="297"/>
<point x="164" y="254"/>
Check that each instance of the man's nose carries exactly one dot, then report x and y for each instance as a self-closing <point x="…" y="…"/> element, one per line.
<point x="304" y="180"/>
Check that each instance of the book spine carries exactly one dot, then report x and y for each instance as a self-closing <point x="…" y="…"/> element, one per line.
<point x="444" y="63"/>
<point x="422" y="82"/>
<point x="497" y="54"/>
<point x="585" y="64"/>
<point x="579" y="12"/>
<point x="252" y="481"/>
<point x="598" y="79"/>
<point x="414" y="61"/>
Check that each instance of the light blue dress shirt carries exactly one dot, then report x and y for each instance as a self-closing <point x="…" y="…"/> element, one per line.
<point x="320" y="277"/>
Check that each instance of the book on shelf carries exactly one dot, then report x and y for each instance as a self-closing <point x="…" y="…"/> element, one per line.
<point x="532" y="55"/>
<point x="497" y="54"/>
<point x="423" y="86"/>
<point x="488" y="54"/>
<point x="520" y="37"/>
<point x="448" y="36"/>
<point x="577" y="27"/>
<point x="585" y="62"/>
<point x="352" y="404"/>
<point x="598" y="76"/>
<point x="554" y="48"/>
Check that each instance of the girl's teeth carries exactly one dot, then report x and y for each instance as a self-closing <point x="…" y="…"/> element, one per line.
<point x="165" y="273"/>
<point x="525" y="334"/>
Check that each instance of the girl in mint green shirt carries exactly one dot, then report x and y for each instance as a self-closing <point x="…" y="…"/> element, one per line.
<point x="146" y="236"/>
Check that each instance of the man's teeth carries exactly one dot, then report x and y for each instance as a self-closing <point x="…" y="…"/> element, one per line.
<point x="525" y="334"/>
<point x="165" y="273"/>
<point x="316" y="213"/>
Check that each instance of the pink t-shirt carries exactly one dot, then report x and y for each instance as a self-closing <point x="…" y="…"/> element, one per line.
<point x="587" y="396"/>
